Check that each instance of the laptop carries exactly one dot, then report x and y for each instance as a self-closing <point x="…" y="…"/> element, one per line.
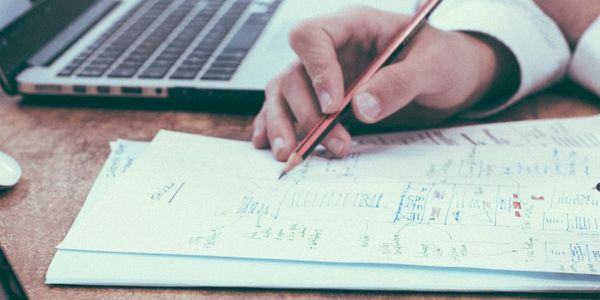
<point x="152" y="48"/>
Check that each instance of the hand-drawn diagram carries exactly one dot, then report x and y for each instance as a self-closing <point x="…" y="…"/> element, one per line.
<point x="509" y="208"/>
<point x="449" y="224"/>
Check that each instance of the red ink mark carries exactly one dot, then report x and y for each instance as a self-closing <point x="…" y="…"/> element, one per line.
<point x="517" y="205"/>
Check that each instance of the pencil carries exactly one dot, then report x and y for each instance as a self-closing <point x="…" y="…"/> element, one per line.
<point x="398" y="43"/>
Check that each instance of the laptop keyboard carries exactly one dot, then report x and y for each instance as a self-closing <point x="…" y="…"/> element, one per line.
<point x="182" y="39"/>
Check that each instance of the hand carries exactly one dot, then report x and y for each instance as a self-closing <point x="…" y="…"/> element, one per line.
<point x="440" y="73"/>
<point x="572" y="16"/>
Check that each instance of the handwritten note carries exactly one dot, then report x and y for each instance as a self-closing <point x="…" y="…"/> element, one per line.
<point x="529" y="209"/>
<point x="123" y="154"/>
<point x="575" y="132"/>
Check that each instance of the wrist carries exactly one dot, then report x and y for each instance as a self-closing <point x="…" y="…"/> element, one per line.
<point x="499" y="74"/>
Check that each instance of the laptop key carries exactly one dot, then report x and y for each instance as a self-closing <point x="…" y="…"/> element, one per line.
<point x="155" y="72"/>
<point x="224" y="66"/>
<point x="147" y="47"/>
<point x="122" y="73"/>
<point x="92" y="48"/>
<point x="183" y="74"/>
<point x="216" y="76"/>
<point x="91" y="72"/>
<point x="195" y="61"/>
<point x="231" y="57"/>
<point x="67" y="71"/>
<point x="161" y="63"/>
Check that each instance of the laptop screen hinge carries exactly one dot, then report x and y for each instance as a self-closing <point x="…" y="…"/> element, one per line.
<point x="61" y="42"/>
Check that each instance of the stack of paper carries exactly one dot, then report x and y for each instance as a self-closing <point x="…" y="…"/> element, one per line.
<point x="505" y="207"/>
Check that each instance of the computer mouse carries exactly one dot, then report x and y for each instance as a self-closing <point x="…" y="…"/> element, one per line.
<point x="10" y="171"/>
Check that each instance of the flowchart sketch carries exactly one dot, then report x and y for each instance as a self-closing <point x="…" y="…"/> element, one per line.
<point x="504" y="208"/>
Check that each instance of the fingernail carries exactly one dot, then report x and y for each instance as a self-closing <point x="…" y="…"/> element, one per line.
<point x="325" y="100"/>
<point x="335" y="146"/>
<point x="278" y="145"/>
<point x="368" y="106"/>
<point x="255" y="133"/>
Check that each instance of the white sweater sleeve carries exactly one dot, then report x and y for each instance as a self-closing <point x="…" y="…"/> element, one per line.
<point x="585" y="66"/>
<point x="541" y="51"/>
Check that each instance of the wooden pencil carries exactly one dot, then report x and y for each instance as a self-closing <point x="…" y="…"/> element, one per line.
<point x="398" y="43"/>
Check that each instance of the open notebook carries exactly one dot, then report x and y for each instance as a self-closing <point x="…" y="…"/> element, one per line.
<point x="384" y="218"/>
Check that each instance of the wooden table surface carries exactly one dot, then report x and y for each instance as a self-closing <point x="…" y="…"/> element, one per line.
<point x="61" y="150"/>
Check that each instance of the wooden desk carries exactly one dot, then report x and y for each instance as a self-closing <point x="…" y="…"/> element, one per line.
<point x="62" y="150"/>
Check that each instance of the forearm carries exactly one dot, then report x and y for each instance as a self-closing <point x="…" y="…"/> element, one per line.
<point x="572" y="16"/>
<point x="520" y="26"/>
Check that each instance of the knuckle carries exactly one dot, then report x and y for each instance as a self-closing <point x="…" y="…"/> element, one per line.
<point x="399" y="81"/>
<point x="306" y="123"/>
<point x="289" y="70"/>
<point x="285" y="78"/>
<point x="272" y="88"/>
<point x="319" y="75"/>
<point x="293" y="79"/>
<point x="301" y="34"/>
<point x="274" y="120"/>
<point x="259" y="119"/>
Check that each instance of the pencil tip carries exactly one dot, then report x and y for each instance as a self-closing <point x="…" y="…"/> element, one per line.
<point x="282" y="175"/>
<point x="292" y="162"/>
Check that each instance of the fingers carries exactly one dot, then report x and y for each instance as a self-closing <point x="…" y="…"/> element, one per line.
<point x="316" y="42"/>
<point x="290" y="99"/>
<point x="259" y="132"/>
<point x="318" y="53"/>
<point x="300" y="98"/>
<point x="391" y="88"/>
<point x="280" y="128"/>
<point x="439" y="75"/>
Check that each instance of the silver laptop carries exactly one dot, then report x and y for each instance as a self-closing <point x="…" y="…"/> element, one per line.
<point x="152" y="48"/>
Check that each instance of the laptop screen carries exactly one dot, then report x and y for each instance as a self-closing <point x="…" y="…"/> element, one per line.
<point x="10" y="10"/>
<point x="28" y="27"/>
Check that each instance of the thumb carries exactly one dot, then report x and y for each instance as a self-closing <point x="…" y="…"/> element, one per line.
<point x="391" y="88"/>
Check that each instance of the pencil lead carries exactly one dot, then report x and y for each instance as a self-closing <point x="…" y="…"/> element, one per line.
<point x="291" y="163"/>
<point x="283" y="173"/>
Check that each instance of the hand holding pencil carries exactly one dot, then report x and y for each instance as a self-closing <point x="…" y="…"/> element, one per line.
<point x="437" y="75"/>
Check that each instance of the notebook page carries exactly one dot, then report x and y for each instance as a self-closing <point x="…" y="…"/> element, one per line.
<point x="573" y="132"/>
<point x="149" y="270"/>
<point x="174" y="205"/>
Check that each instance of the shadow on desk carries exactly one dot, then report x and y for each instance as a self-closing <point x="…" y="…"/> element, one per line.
<point x="335" y="294"/>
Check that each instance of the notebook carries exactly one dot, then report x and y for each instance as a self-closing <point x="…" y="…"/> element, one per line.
<point x="174" y="268"/>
